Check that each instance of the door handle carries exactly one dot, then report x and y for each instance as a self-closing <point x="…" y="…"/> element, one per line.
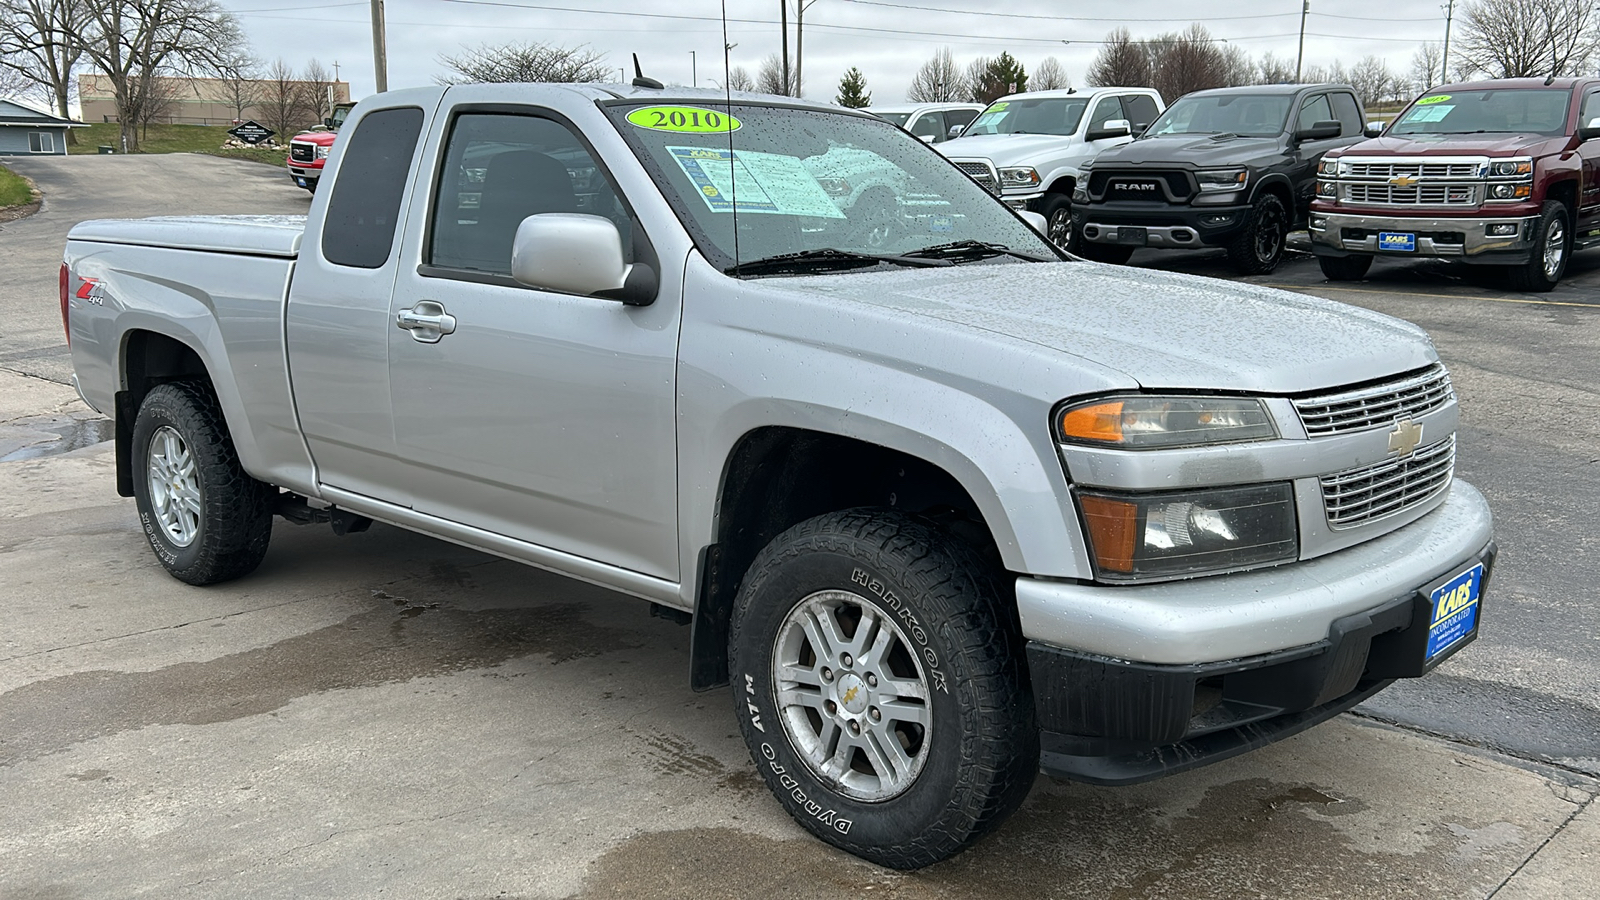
<point x="427" y="321"/>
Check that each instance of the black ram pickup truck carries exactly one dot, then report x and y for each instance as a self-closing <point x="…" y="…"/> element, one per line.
<point x="1231" y="167"/>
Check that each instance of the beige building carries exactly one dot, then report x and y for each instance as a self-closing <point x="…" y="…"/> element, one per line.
<point x="194" y="101"/>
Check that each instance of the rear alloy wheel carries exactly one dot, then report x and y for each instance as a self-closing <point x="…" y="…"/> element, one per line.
<point x="1552" y="247"/>
<point x="1344" y="268"/>
<point x="1257" y="249"/>
<point x="1057" y="212"/>
<point x="881" y="687"/>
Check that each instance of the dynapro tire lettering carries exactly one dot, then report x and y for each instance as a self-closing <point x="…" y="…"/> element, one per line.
<point x="913" y="627"/>
<point x="828" y="817"/>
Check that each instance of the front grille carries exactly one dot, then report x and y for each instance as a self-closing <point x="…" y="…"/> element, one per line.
<point x="1358" y="496"/>
<point x="1416" y="170"/>
<point x="983" y="173"/>
<point x="303" y="152"/>
<point x="1376" y="406"/>
<point x="1415" y="195"/>
<point x="1177" y="183"/>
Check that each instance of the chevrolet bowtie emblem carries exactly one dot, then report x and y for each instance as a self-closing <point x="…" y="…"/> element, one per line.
<point x="1405" y="437"/>
<point x="851" y="694"/>
<point x="1403" y="181"/>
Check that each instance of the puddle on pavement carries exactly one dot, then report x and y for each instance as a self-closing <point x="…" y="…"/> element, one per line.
<point x="72" y="434"/>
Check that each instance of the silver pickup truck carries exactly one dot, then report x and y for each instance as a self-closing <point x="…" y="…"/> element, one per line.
<point x="941" y="505"/>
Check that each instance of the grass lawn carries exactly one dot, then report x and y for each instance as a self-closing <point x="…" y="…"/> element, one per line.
<point x="171" y="139"/>
<point x="14" y="191"/>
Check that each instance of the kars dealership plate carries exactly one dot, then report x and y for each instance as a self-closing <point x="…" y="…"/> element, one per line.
<point x="1397" y="241"/>
<point x="1455" y="611"/>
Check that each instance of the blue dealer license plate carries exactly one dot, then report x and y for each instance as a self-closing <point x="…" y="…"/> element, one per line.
<point x="1398" y="242"/>
<point x="1455" y="611"/>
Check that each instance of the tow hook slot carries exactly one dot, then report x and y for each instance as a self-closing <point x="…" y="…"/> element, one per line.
<point x="296" y="509"/>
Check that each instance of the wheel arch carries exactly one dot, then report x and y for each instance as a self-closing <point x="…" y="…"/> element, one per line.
<point x="146" y="359"/>
<point x="1565" y="190"/>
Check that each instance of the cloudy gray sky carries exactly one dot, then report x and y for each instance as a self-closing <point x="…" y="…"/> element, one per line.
<point x="887" y="39"/>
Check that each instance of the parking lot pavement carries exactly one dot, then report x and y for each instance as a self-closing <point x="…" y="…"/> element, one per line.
<point x="79" y="188"/>
<point x="384" y="714"/>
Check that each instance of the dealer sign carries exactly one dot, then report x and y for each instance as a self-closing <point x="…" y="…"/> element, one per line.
<point x="251" y="133"/>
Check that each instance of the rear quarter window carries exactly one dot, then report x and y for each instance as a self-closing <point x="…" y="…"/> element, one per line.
<point x="358" y="230"/>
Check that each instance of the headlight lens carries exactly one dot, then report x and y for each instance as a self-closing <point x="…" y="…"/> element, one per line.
<point x="1159" y="536"/>
<point x="1019" y="177"/>
<point x="1328" y="166"/>
<point x="1221" y="179"/>
<point x="1511" y="168"/>
<point x="1510" y="191"/>
<point x="323" y="151"/>
<point x="1326" y="189"/>
<point x="1150" y="423"/>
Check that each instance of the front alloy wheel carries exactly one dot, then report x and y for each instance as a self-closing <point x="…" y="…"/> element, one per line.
<point x="1552" y="246"/>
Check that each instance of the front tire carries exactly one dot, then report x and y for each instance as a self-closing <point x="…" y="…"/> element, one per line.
<point x="880" y="686"/>
<point x="1552" y="247"/>
<point x="1057" y="212"/>
<point x="1344" y="268"/>
<point x="1258" y="248"/>
<point x="206" y="520"/>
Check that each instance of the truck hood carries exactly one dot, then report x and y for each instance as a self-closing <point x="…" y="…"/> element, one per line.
<point x="321" y="138"/>
<point x="1005" y="149"/>
<point x="1194" y="149"/>
<point x="1459" y="145"/>
<point x="1162" y="330"/>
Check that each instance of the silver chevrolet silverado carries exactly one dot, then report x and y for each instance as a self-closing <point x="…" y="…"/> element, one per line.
<point x="942" y="506"/>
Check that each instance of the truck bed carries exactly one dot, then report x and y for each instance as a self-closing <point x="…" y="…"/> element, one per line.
<point x="277" y="236"/>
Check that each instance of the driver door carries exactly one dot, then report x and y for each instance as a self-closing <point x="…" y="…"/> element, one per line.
<point x="1588" y="214"/>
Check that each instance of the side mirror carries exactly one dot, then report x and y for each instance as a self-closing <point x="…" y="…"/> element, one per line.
<point x="1319" y="131"/>
<point x="1037" y="221"/>
<point x="328" y="123"/>
<point x="955" y="131"/>
<point x="578" y="254"/>
<point x="1139" y="128"/>
<point x="926" y="138"/>
<point x="1374" y="129"/>
<point x="1113" y="128"/>
<point x="1590" y="130"/>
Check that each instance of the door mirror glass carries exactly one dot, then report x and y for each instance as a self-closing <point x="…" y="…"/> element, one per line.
<point x="1374" y="129"/>
<point x="1319" y="131"/>
<point x="569" y="252"/>
<point x="1590" y="130"/>
<point x="1036" y="220"/>
<point x="955" y="130"/>
<point x="927" y="138"/>
<point x="1113" y="128"/>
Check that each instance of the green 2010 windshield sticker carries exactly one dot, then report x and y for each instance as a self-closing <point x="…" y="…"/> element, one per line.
<point x="1436" y="98"/>
<point x="998" y="107"/>
<point x="684" y="120"/>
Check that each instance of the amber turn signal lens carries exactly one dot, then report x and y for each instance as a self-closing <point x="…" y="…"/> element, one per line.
<point x="1113" y="530"/>
<point x="1100" y="422"/>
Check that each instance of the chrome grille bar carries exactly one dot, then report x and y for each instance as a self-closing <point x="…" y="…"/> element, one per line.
<point x="1376" y="406"/>
<point x="1359" y="496"/>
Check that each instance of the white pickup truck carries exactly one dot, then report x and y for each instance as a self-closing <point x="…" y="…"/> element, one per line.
<point x="943" y="505"/>
<point x="1031" y="148"/>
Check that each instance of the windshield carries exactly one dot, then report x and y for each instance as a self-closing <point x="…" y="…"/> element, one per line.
<point x="807" y="180"/>
<point x="893" y="118"/>
<point x="1247" y="115"/>
<point x="339" y="115"/>
<point x="1041" y="116"/>
<point x="1470" y="112"/>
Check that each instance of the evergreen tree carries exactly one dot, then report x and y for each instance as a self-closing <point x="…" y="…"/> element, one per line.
<point x="853" y="90"/>
<point x="1003" y="75"/>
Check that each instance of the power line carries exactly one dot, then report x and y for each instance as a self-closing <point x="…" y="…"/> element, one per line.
<point x="990" y="14"/>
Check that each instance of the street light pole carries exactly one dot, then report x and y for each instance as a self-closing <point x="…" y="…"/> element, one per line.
<point x="380" y="52"/>
<point x="1300" y="58"/>
<point x="694" y="77"/>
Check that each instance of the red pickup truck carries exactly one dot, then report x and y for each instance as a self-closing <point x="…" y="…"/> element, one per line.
<point x="308" y="150"/>
<point x="1495" y="173"/>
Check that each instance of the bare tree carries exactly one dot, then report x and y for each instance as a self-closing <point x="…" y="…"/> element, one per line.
<point x="1425" y="66"/>
<point x="528" y="61"/>
<point x="39" y="46"/>
<point x="1049" y="76"/>
<point x="1190" y="60"/>
<point x="990" y="79"/>
<point x="973" y="78"/>
<point x="1523" y="38"/>
<point x="157" y="99"/>
<point x="1272" y="70"/>
<point x="938" y="80"/>
<point x="740" y="80"/>
<point x="282" y="103"/>
<point x="1121" y="62"/>
<point x="1371" y="79"/>
<point x="769" y="78"/>
<point x="317" y="83"/>
<point x="239" y="86"/>
<point x="134" y="42"/>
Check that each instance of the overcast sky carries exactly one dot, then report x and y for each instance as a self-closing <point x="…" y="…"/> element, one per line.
<point x="886" y="39"/>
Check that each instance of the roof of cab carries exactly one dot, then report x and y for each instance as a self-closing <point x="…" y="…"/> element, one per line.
<point x="1269" y="89"/>
<point x="1518" y="84"/>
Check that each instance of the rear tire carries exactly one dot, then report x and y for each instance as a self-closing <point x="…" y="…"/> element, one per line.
<point x="1552" y="248"/>
<point x="880" y="686"/>
<point x="206" y="520"/>
<point x="1344" y="268"/>
<point x="1258" y="248"/>
<point x="1114" y="254"/>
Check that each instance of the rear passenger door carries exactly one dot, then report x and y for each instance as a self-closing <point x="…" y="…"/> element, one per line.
<point x="541" y="416"/>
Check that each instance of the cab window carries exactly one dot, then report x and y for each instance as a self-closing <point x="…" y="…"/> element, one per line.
<point x="498" y="170"/>
<point x="1349" y="115"/>
<point x="1140" y="110"/>
<point x="929" y="125"/>
<point x="1107" y="109"/>
<point x="1314" y="110"/>
<point x="358" y="229"/>
<point x="1589" y="115"/>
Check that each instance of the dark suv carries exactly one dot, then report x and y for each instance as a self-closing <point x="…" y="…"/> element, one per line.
<point x="1231" y="167"/>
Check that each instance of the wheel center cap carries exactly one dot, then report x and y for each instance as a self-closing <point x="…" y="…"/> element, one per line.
<point x="853" y="694"/>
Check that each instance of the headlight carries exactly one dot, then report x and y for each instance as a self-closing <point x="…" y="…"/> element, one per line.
<point x="1326" y="189"/>
<point x="1511" y="168"/>
<point x="1147" y="537"/>
<point x="1151" y="423"/>
<point x="1221" y="179"/>
<point x="1510" y="191"/>
<point x="1019" y="177"/>
<point x="1328" y="166"/>
<point x="323" y="150"/>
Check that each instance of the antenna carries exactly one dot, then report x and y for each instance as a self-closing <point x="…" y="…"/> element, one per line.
<point x="638" y="76"/>
<point x="727" y="94"/>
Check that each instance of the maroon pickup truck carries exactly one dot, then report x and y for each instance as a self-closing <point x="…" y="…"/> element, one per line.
<point x="1495" y="173"/>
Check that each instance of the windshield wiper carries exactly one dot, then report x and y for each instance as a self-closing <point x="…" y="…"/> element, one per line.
<point x="971" y="250"/>
<point x="825" y="259"/>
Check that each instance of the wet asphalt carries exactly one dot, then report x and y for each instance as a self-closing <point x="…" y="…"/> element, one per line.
<point x="384" y="714"/>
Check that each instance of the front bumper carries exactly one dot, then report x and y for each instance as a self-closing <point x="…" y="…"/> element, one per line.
<point x="1172" y="227"/>
<point x="1343" y="234"/>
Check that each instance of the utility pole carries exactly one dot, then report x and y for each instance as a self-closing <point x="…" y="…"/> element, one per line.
<point x="694" y="77"/>
<point x="783" y="16"/>
<point x="1449" y="16"/>
<point x="800" y="8"/>
<point x="1300" y="58"/>
<point x="380" y="52"/>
